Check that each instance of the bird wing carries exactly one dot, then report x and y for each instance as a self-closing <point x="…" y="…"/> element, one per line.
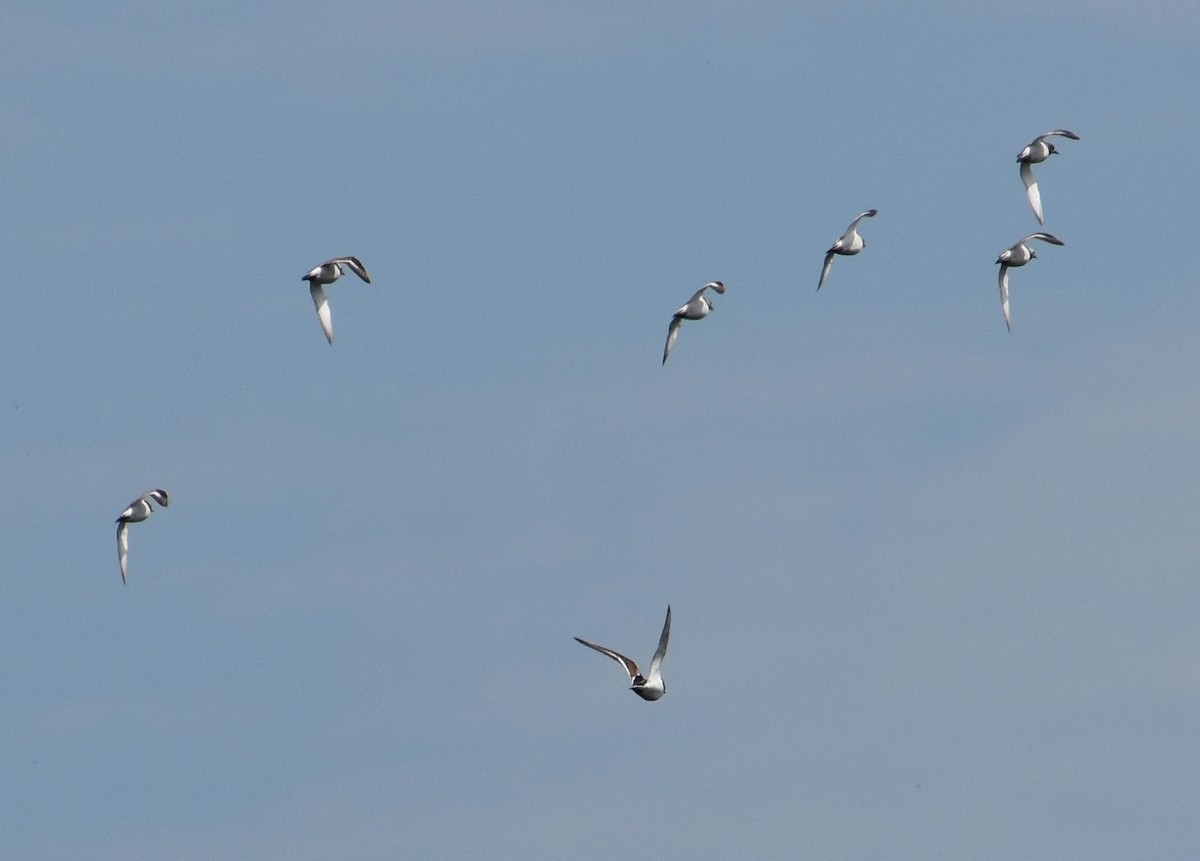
<point x="123" y="547"/>
<point x="355" y="266"/>
<point x="628" y="664"/>
<point x="1062" y="133"/>
<point x="870" y="213"/>
<point x="157" y="495"/>
<point x="1045" y="237"/>
<point x="1004" y="295"/>
<point x="322" y="302"/>
<point x="672" y="334"/>
<point x="825" y="268"/>
<point x="1031" y="190"/>
<point x="661" y="651"/>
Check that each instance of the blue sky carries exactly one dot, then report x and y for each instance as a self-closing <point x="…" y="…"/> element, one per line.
<point x="934" y="584"/>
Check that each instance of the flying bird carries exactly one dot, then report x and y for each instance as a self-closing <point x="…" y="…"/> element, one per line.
<point x="848" y="243"/>
<point x="1039" y="150"/>
<point x="696" y="308"/>
<point x="137" y="511"/>
<point x="327" y="273"/>
<point x="649" y="687"/>
<point x="1018" y="255"/>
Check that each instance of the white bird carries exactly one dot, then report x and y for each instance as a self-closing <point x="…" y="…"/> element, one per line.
<point x="848" y="243"/>
<point x="650" y="687"/>
<point x="1018" y="255"/>
<point x="327" y="273"/>
<point x="137" y="511"/>
<point x="696" y="308"/>
<point x="1039" y="150"/>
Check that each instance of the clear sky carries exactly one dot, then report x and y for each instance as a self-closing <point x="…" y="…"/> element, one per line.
<point x="935" y="585"/>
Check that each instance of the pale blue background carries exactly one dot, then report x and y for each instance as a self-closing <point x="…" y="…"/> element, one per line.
<point x="935" y="585"/>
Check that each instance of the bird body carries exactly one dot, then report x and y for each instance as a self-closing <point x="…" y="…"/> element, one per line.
<point x="651" y="687"/>
<point x="848" y="243"/>
<point x="327" y="273"/>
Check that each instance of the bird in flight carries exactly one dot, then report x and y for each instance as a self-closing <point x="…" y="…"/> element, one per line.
<point x="137" y="511"/>
<point x="696" y="308"/>
<point x="1038" y="150"/>
<point x="1018" y="255"/>
<point x="327" y="273"/>
<point x="649" y="687"/>
<point x="847" y="244"/>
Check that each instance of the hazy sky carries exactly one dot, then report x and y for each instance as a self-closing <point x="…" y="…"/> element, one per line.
<point x="935" y="585"/>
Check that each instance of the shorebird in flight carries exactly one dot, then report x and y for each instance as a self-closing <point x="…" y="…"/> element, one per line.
<point x="1018" y="255"/>
<point x="696" y="308"/>
<point x="137" y="511"/>
<point x="1038" y="151"/>
<point x="650" y="687"/>
<point x="327" y="273"/>
<point x="848" y="243"/>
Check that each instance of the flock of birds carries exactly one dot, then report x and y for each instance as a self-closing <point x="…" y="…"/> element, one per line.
<point x="851" y="242"/>
<point x="652" y="687"/>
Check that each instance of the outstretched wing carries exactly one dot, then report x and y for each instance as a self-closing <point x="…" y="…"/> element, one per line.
<point x="355" y="266"/>
<point x="1045" y="237"/>
<point x="661" y="651"/>
<point x="629" y="665"/>
<point x="1031" y="190"/>
<point x="1062" y="133"/>
<point x="672" y="334"/>
<point x="322" y="302"/>
<point x="1004" y="295"/>
<point x="123" y="548"/>
<point x="870" y="213"/>
<point x="825" y="268"/>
